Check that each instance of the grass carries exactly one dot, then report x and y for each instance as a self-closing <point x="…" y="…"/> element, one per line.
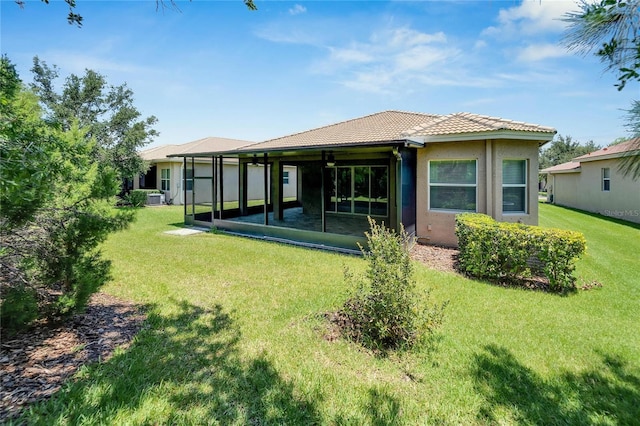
<point x="235" y="336"/>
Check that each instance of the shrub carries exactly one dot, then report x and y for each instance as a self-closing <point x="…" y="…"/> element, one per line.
<point x="18" y="307"/>
<point x="385" y="311"/>
<point x="512" y="251"/>
<point x="137" y="198"/>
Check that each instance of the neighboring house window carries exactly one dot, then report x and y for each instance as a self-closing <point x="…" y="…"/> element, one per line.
<point x="606" y="179"/>
<point x="285" y="178"/>
<point x="189" y="180"/>
<point x="359" y="190"/>
<point x="514" y="186"/>
<point x="452" y="185"/>
<point x="165" y="179"/>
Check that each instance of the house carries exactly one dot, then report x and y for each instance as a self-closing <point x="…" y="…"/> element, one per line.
<point x="414" y="169"/>
<point x="166" y="173"/>
<point x="595" y="183"/>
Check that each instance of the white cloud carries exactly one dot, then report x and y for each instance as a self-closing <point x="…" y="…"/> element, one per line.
<point x="539" y="52"/>
<point x="389" y="60"/>
<point x="297" y="9"/>
<point x="532" y="17"/>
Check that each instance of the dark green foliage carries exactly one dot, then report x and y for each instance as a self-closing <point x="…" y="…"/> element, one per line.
<point x="106" y="112"/>
<point x="18" y="306"/>
<point x="563" y="149"/>
<point x="386" y="311"/>
<point x="509" y="251"/>
<point x="57" y="207"/>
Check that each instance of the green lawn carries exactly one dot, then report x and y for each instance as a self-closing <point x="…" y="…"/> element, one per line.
<point x="234" y="336"/>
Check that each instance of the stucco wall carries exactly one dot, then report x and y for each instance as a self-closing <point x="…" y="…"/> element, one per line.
<point x="230" y="178"/>
<point x="584" y="191"/>
<point x="438" y="227"/>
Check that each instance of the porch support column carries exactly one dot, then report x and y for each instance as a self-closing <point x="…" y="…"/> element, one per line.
<point x="489" y="176"/>
<point x="266" y="189"/>
<point x="221" y="183"/>
<point x="396" y="163"/>
<point x="242" y="187"/>
<point x="213" y="191"/>
<point x="193" y="188"/>
<point x="184" y="184"/>
<point x="276" y="190"/>
<point x="323" y="214"/>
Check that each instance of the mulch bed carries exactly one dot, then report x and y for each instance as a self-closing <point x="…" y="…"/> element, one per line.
<point x="34" y="364"/>
<point x="436" y="257"/>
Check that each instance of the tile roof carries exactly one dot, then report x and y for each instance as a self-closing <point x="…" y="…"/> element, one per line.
<point x="464" y="122"/>
<point x="564" y="167"/>
<point x="378" y="128"/>
<point x="612" y="151"/>
<point x="209" y="144"/>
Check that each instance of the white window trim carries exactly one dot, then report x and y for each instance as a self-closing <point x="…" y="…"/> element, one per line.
<point x="519" y="185"/>
<point x="285" y="177"/>
<point x="167" y="180"/>
<point x="465" y="185"/>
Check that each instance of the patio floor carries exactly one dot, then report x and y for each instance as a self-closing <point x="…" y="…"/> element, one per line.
<point x="295" y="218"/>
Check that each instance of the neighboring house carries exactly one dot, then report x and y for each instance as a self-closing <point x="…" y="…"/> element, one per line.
<point x="593" y="182"/>
<point x="414" y="169"/>
<point x="167" y="173"/>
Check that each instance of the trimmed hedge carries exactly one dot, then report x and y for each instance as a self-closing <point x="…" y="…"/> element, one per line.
<point x="513" y="251"/>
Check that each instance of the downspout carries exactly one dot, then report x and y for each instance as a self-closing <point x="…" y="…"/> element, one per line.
<point x="398" y="157"/>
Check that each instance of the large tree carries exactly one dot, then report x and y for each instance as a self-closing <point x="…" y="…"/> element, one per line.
<point x="107" y="113"/>
<point x="611" y="30"/>
<point x="56" y="206"/>
<point x="563" y="149"/>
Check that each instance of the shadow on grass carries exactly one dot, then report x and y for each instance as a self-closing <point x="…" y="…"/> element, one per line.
<point x="185" y="368"/>
<point x="607" y="395"/>
<point x="600" y="216"/>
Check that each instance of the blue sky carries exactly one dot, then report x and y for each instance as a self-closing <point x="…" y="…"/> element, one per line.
<point x="215" y="68"/>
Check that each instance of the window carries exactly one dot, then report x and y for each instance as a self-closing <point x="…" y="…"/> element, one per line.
<point x="165" y="179"/>
<point x="514" y="186"/>
<point x="606" y="179"/>
<point x="285" y="178"/>
<point x="452" y="185"/>
<point x="359" y="190"/>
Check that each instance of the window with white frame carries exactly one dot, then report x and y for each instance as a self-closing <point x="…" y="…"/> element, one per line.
<point x="285" y="178"/>
<point x="453" y="185"/>
<point x="514" y="186"/>
<point x="606" y="179"/>
<point x="165" y="179"/>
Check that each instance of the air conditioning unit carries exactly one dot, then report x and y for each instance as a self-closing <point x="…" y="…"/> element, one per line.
<point x="155" y="199"/>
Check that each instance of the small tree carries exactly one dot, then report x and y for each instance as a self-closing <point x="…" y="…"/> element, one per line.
<point x="386" y="311"/>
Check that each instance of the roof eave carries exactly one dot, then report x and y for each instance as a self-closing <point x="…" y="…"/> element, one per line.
<point x="584" y="159"/>
<point x="410" y="143"/>
<point x="540" y="137"/>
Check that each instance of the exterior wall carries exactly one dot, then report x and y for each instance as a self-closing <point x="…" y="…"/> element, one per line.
<point x="563" y="188"/>
<point x="584" y="191"/>
<point x="438" y="227"/>
<point x="204" y="169"/>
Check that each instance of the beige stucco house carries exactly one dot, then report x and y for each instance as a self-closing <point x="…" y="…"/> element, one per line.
<point x="414" y="169"/>
<point x="166" y="173"/>
<point x="594" y="182"/>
